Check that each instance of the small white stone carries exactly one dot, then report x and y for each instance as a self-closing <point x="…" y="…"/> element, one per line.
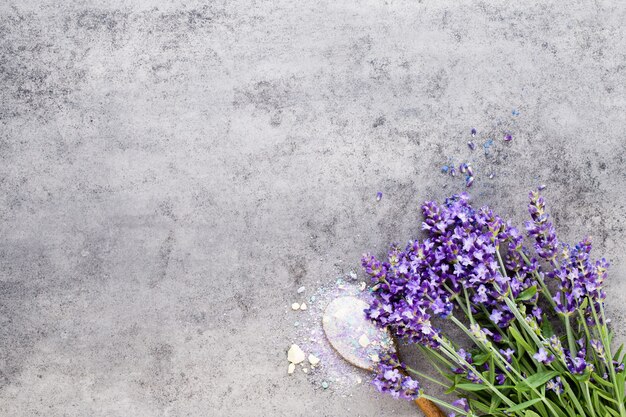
<point x="295" y="306"/>
<point x="359" y="380"/>
<point x="303" y="306"/>
<point x="305" y="370"/>
<point x="363" y="285"/>
<point x="291" y="368"/>
<point x="295" y="354"/>
<point x="352" y="275"/>
<point x="301" y="290"/>
<point x="364" y="341"/>
<point x="313" y="360"/>
<point x="374" y="357"/>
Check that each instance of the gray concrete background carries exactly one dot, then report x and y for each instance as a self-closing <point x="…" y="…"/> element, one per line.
<point x="172" y="171"/>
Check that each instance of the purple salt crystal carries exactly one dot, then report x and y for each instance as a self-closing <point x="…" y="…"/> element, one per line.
<point x="471" y="145"/>
<point x="379" y="196"/>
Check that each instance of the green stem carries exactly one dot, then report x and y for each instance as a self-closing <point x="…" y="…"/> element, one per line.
<point x="426" y="377"/>
<point x="573" y="397"/>
<point x="607" y="348"/>
<point x="571" y="340"/>
<point x="590" y="405"/>
<point x="451" y="353"/>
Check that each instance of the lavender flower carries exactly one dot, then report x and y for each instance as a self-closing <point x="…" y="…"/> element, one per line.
<point x="391" y="378"/>
<point x="541" y="229"/>
<point x="543" y="356"/>
<point x="555" y="385"/>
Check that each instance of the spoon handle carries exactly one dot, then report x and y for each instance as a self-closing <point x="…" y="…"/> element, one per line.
<point x="429" y="408"/>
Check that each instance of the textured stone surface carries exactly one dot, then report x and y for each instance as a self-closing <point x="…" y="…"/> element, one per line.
<point x="172" y="172"/>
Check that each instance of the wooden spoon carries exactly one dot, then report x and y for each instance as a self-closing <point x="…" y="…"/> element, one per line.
<point x="360" y="342"/>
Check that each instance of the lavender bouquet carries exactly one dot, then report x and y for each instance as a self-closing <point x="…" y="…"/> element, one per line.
<point x="537" y="337"/>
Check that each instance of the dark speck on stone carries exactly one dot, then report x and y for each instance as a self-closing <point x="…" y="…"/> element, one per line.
<point x="380" y="121"/>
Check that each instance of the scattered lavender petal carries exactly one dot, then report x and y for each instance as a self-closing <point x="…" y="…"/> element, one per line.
<point x="379" y="196"/>
<point x="463" y="168"/>
<point x="445" y="169"/>
<point x="470" y="171"/>
<point x="473" y="132"/>
<point x="542" y="187"/>
<point x="453" y="172"/>
<point x="469" y="181"/>
<point x="491" y="175"/>
<point x="508" y="137"/>
<point x="471" y="145"/>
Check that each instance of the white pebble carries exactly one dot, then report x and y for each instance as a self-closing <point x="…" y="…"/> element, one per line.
<point x="301" y="290"/>
<point x="303" y="306"/>
<point x="295" y="306"/>
<point x="291" y="368"/>
<point x="305" y="370"/>
<point x="363" y="285"/>
<point x="364" y="341"/>
<point x="313" y="360"/>
<point x="295" y="355"/>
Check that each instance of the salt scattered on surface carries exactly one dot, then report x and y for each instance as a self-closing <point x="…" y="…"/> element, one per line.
<point x="295" y="355"/>
<point x="326" y="366"/>
<point x="295" y="306"/>
<point x="364" y="341"/>
<point x="291" y="368"/>
<point x="301" y="290"/>
<point x="303" y="306"/>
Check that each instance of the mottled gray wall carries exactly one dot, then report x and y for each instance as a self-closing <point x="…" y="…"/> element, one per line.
<point x="170" y="173"/>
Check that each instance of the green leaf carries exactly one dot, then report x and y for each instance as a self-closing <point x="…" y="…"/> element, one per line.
<point x="481" y="358"/>
<point x="536" y="380"/>
<point x="479" y="405"/>
<point x="530" y="413"/>
<point x="546" y="327"/>
<point x="522" y="344"/>
<point x="492" y="371"/>
<point x="495" y="402"/>
<point x="597" y="378"/>
<point x="524" y="405"/>
<point x="527" y="294"/>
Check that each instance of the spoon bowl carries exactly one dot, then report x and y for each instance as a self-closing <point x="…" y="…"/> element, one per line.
<point x="361" y="342"/>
